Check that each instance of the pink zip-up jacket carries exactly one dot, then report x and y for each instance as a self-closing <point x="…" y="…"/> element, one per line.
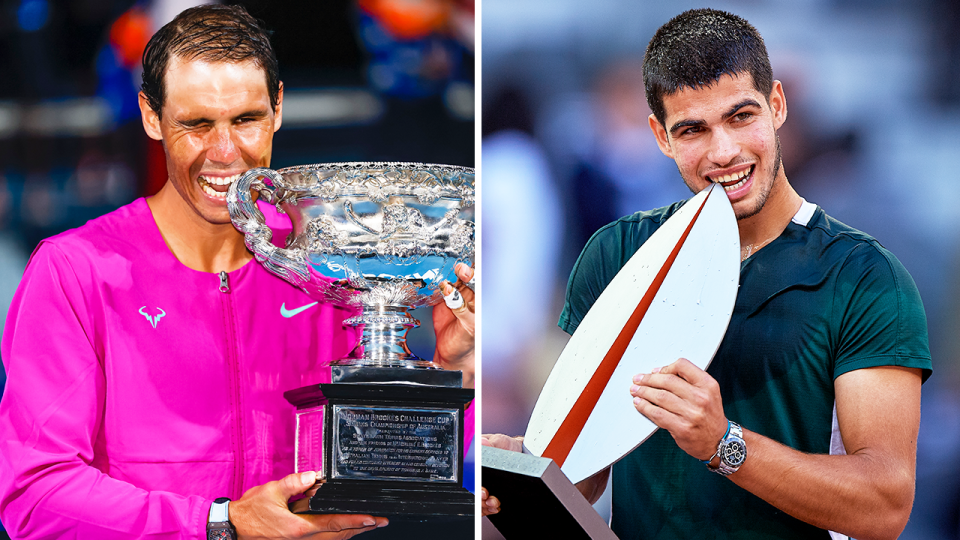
<point x="138" y="391"/>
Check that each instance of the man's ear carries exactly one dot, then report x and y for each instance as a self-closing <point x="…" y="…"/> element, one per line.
<point x="660" y="133"/>
<point x="278" y="112"/>
<point x="778" y="105"/>
<point x="151" y="120"/>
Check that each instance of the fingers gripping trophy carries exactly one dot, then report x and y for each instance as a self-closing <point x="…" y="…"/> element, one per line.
<point x="387" y="432"/>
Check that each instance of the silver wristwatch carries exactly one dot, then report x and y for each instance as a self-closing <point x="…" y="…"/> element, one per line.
<point x="732" y="451"/>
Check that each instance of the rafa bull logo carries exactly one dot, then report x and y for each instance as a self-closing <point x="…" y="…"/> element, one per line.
<point x="153" y="319"/>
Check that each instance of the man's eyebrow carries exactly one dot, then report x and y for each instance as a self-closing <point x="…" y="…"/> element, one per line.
<point x="194" y="122"/>
<point x="749" y="102"/>
<point x="685" y="123"/>
<point x="732" y="111"/>
<point x="253" y="113"/>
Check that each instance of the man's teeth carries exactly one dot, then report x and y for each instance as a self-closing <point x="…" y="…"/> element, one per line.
<point x="740" y="178"/>
<point x="220" y="180"/>
<point x="212" y="192"/>
<point x="207" y="181"/>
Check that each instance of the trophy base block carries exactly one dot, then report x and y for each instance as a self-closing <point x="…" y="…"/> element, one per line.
<point x="528" y="486"/>
<point x="385" y="448"/>
<point x="431" y="503"/>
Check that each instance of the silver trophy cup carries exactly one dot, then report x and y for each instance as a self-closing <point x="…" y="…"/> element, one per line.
<point x="378" y="238"/>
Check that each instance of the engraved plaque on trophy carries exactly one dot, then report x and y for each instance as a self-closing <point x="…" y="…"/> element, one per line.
<point x="397" y="444"/>
<point x="386" y="434"/>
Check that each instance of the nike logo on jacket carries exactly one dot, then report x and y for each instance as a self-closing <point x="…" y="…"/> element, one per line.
<point x="291" y="312"/>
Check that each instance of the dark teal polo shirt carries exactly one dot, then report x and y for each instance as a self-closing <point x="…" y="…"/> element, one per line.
<point x="820" y="300"/>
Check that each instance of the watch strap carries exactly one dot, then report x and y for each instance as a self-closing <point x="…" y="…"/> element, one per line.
<point x="218" y="521"/>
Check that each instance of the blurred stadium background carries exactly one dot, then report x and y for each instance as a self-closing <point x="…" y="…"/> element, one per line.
<point x="873" y="135"/>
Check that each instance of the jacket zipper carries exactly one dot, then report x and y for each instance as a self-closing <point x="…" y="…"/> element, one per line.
<point x="224" y="282"/>
<point x="234" y="374"/>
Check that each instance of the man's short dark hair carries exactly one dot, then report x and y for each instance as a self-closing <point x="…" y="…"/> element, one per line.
<point x="213" y="33"/>
<point x="694" y="49"/>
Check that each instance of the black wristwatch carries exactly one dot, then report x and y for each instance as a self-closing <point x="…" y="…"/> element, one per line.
<point x="218" y="523"/>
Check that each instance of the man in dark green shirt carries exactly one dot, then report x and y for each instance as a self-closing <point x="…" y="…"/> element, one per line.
<point x="813" y="399"/>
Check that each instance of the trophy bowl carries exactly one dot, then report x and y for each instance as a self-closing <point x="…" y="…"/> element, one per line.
<point x="375" y="237"/>
<point x="386" y="434"/>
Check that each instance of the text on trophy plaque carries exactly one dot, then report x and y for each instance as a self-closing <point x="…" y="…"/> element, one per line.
<point x="377" y="443"/>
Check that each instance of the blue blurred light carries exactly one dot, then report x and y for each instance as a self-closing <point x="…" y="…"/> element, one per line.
<point x="32" y="15"/>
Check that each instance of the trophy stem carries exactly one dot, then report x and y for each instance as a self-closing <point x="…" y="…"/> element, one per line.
<point x="384" y="339"/>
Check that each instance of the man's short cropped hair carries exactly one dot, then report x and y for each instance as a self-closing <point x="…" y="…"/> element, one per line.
<point x="213" y="33"/>
<point x="694" y="49"/>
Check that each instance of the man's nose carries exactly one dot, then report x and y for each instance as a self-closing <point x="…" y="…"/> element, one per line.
<point x="222" y="148"/>
<point x="723" y="147"/>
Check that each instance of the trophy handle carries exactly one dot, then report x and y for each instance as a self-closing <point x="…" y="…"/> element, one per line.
<point x="290" y="264"/>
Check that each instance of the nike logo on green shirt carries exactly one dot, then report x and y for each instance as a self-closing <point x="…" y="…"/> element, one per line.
<point x="291" y="312"/>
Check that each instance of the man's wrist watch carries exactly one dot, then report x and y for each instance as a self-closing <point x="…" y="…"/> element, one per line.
<point x="218" y="523"/>
<point x="732" y="451"/>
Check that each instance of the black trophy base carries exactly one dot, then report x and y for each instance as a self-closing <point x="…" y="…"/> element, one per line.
<point x="425" y="502"/>
<point x="527" y="486"/>
<point x="390" y="444"/>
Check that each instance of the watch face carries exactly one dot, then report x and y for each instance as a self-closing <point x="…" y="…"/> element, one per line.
<point x="734" y="453"/>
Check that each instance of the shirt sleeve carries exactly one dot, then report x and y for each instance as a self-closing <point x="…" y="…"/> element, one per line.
<point x="884" y="323"/>
<point x="607" y="251"/>
<point x="587" y="281"/>
<point x="50" y="415"/>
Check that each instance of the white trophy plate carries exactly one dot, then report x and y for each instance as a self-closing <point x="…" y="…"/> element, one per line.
<point x="690" y="268"/>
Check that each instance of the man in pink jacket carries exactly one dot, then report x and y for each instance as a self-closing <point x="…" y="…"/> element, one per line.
<point x="147" y="353"/>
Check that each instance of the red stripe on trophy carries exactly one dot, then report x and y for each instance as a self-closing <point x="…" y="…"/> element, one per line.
<point x="565" y="437"/>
